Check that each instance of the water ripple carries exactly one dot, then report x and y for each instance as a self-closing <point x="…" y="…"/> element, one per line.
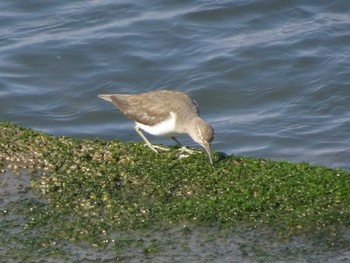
<point x="272" y="77"/>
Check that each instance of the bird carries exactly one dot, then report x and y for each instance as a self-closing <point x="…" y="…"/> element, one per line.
<point x="166" y="113"/>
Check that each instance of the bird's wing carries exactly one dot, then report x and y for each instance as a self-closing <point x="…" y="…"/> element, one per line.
<point x="152" y="107"/>
<point x="140" y="109"/>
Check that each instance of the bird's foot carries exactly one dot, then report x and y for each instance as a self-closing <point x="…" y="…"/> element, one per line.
<point x="161" y="148"/>
<point x="156" y="147"/>
<point x="184" y="149"/>
<point x="184" y="152"/>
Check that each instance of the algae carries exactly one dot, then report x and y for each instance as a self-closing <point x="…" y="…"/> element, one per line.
<point x="91" y="188"/>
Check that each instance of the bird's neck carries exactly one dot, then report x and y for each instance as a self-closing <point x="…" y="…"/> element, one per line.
<point x="192" y="127"/>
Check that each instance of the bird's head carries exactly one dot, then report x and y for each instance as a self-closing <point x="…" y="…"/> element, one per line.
<point x="202" y="133"/>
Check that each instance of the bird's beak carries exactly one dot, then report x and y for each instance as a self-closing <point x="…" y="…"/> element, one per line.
<point x="208" y="150"/>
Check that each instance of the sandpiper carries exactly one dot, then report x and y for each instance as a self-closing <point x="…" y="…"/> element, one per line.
<point x="164" y="113"/>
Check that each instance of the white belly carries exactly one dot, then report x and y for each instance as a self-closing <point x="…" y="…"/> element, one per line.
<point x="165" y="128"/>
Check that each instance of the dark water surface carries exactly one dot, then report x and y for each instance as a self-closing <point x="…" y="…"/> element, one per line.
<point x="271" y="76"/>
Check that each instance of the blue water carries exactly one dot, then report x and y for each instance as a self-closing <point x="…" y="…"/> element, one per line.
<point x="272" y="77"/>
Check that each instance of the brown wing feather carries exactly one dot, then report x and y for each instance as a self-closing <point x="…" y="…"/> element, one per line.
<point x="152" y="107"/>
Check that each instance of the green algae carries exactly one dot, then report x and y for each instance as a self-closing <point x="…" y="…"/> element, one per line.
<point x="92" y="188"/>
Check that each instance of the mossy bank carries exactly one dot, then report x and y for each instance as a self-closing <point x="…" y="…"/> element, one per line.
<point x="90" y="188"/>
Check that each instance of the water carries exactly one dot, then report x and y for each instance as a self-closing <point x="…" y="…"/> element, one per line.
<point x="272" y="77"/>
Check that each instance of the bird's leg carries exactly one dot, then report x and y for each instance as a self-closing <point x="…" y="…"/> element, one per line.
<point x="183" y="149"/>
<point x="150" y="145"/>
<point x="177" y="142"/>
